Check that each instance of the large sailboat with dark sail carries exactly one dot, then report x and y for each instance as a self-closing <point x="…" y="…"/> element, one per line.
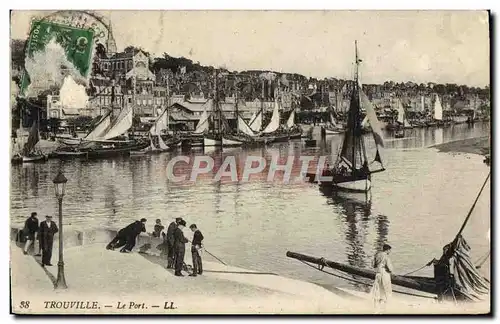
<point x="352" y="170"/>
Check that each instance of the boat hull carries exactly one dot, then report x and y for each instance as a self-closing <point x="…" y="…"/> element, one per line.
<point x="34" y="158"/>
<point x="228" y="142"/>
<point x="354" y="186"/>
<point x="69" y="141"/>
<point x="207" y="141"/>
<point x="332" y="132"/>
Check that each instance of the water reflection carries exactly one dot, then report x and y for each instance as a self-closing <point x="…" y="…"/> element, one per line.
<point x="241" y="216"/>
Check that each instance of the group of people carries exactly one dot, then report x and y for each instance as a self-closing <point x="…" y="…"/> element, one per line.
<point x="43" y="232"/>
<point x="174" y="242"/>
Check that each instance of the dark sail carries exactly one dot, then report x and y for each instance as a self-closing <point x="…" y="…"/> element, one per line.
<point x="352" y="146"/>
<point x="32" y="139"/>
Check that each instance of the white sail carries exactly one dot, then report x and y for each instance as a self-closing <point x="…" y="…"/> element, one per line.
<point x="256" y="122"/>
<point x="401" y="113"/>
<point x="372" y="119"/>
<point x="121" y="125"/>
<point x="244" y="128"/>
<point x="365" y="122"/>
<point x="291" y="120"/>
<point x="438" y="109"/>
<point x="332" y="120"/>
<point x="202" y="124"/>
<point x="274" y="124"/>
<point x="161" y="143"/>
<point x="254" y="115"/>
<point x="160" y="124"/>
<point x="100" y="128"/>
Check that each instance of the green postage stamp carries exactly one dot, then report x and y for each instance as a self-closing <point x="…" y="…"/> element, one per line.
<point x="76" y="42"/>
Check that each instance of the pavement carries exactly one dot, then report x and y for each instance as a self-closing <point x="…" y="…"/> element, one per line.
<point x="110" y="282"/>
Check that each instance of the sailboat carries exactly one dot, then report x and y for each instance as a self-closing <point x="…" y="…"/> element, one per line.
<point x="402" y="120"/>
<point x="351" y="170"/>
<point x="294" y="130"/>
<point x="271" y="132"/>
<point x="243" y="135"/>
<point x="106" y="141"/>
<point x="333" y="128"/>
<point x="456" y="278"/>
<point x="157" y="145"/>
<point x="438" y="113"/>
<point x="30" y="152"/>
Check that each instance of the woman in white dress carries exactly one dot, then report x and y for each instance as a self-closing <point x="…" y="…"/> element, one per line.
<point x="382" y="287"/>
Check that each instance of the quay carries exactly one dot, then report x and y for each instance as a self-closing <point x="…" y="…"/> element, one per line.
<point x="108" y="282"/>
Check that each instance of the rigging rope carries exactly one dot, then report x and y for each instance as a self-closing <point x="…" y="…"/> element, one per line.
<point x="320" y="268"/>
<point x="484" y="260"/>
<point x="472" y="208"/>
<point x="462" y="228"/>
<point x="425" y="265"/>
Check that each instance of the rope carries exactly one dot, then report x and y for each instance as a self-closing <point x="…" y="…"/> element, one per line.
<point x="472" y="208"/>
<point x="484" y="260"/>
<point x="242" y="272"/>
<point x="320" y="268"/>
<point x="425" y="265"/>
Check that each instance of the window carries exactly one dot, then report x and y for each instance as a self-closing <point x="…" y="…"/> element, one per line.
<point x="144" y="102"/>
<point x="150" y="101"/>
<point x="138" y="102"/>
<point x="129" y="100"/>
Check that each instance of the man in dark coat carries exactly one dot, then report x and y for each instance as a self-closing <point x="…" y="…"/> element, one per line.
<point x="195" y="248"/>
<point x="179" y="247"/>
<point x="137" y="229"/>
<point x="170" y="242"/>
<point x="125" y="234"/>
<point x="30" y="229"/>
<point x="47" y="230"/>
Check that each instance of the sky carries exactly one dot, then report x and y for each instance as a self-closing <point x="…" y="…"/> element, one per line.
<point x="418" y="46"/>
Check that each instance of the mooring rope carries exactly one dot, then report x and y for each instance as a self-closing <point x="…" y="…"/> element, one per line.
<point x="483" y="260"/>
<point x="320" y="268"/>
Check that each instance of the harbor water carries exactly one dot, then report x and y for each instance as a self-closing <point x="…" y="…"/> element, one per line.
<point x="417" y="205"/>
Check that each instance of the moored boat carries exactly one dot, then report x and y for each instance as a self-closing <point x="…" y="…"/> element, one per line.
<point x="351" y="170"/>
<point x="456" y="278"/>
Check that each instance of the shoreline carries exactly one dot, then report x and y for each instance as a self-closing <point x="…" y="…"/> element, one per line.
<point x="475" y="145"/>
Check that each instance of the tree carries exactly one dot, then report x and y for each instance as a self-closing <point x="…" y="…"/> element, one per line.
<point x="134" y="49"/>
<point x="18" y="56"/>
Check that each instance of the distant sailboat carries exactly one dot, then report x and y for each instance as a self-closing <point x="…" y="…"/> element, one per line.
<point x="402" y="120"/>
<point x="333" y="128"/>
<point x="438" y="111"/>
<point x="30" y="152"/>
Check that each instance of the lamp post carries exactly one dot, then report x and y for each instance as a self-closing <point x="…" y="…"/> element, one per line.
<point x="59" y="187"/>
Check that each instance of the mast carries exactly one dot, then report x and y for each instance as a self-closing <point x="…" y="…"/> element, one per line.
<point x="262" y="103"/>
<point x="236" y="110"/>
<point x="356" y="115"/>
<point x="216" y="102"/>
<point x="168" y="105"/>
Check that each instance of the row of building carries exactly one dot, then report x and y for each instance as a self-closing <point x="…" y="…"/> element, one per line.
<point x="125" y="80"/>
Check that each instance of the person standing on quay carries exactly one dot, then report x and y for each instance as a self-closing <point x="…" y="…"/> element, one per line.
<point x="195" y="248"/>
<point x="179" y="247"/>
<point x="382" y="287"/>
<point x="30" y="229"/>
<point x="47" y="230"/>
<point x="171" y="242"/>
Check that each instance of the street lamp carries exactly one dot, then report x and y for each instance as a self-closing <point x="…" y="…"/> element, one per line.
<point x="59" y="187"/>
